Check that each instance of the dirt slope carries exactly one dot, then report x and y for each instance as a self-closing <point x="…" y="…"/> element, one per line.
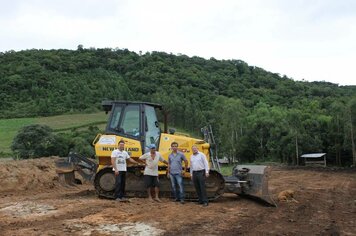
<point x="32" y="202"/>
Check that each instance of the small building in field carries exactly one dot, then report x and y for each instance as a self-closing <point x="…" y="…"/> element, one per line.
<point x="224" y="161"/>
<point x="314" y="159"/>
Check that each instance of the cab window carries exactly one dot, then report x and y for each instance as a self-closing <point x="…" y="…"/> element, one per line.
<point x="152" y="126"/>
<point x="131" y="121"/>
<point x="114" y="124"/>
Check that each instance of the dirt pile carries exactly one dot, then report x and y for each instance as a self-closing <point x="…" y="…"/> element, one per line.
<point x="28" y="174"/>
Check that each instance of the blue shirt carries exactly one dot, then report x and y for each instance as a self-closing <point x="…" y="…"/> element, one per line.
<point x="175" y="162"/>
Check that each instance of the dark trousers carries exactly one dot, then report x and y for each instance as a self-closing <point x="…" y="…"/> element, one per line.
<point x="120" y="181"/>
<point x="199" y="184"/>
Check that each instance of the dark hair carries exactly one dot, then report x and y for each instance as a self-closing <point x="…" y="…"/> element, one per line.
<point x="174" y="143"/>
<point x="122" y="141"/>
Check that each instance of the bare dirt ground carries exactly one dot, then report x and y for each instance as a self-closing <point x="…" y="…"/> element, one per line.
<point x="32" y="202"/>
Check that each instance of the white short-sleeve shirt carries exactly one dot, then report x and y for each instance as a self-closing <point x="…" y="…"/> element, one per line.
<point x="151" y="163"/>
<point x="120" y="159"/>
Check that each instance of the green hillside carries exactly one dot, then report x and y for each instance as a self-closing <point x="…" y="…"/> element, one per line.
<point x="256" y="115"/>
<point x="60" y="123"/>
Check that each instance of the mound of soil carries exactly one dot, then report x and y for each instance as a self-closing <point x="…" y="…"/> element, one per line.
<point x="16" y="175"/>
<point x="312" y="202"/>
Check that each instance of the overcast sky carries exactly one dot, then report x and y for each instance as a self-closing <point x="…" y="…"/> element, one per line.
<point x="314" y="40"/>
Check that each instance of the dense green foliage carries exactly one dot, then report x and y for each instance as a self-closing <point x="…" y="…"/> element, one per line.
<point x="37" y="140"/>
<point x="256" y="115"/>
<point x="34" y="141"/>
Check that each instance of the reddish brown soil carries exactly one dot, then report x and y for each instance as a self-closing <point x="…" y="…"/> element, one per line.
<point x="32" y="202"/>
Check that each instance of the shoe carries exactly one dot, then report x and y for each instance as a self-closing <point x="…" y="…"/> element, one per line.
<point x="199" y="203"/>
<point x="119" y="199"/>
<point x="158" y="200"/>
<point x="181" y="201"/>
<point x="177" y="200"/>
<point x="125" y="199"/>
<point x="205" y="204"/>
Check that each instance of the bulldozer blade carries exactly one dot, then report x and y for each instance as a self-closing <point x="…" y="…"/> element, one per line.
<point x="258" y="183"/>
<point x="68" y="167"/>
<point x="66" y="178"/>
<point x="250" y="181"/>
<point x="65" y="171"/>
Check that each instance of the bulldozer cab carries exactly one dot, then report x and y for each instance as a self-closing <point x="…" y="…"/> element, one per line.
<point x="134" y="121"/>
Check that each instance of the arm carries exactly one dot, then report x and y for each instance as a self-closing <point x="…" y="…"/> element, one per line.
<point x="206" y="165"/>
<point x="162" y="160"/>
<point x="113" y="163"/>
<point x="133" y="161"/>
<point x="185" y="164"/>
<point x="168" y="167"/>
<point x="191" y="168"/>
<point x="143" y="157"/>
<point x="130" y="159"/>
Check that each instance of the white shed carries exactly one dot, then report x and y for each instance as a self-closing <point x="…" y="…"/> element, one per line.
<point x="314" y="159"/>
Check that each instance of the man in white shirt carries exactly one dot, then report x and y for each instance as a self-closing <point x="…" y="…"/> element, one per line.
<point x="151" y="171"/>
<point x="199" y="171"/>
<point x="118" y="161"/>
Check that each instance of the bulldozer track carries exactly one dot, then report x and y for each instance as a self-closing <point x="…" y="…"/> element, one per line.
<point x="104" y="183"/>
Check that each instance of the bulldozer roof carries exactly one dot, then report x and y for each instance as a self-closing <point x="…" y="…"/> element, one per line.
<point x="107" y="104"/>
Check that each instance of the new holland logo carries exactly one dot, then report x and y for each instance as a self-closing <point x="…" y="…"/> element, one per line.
<point x="126" y="149"/>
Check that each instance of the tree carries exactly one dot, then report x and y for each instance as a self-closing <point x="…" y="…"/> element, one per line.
<point x="296" y="128"/>
<point x="352" y="124"/>
<point x="336" y="131"/>
<point x="230" y="121"/>
<point x="34" y="141"/>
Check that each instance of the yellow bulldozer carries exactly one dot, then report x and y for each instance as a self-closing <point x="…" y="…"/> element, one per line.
<point x="137" y="124"/>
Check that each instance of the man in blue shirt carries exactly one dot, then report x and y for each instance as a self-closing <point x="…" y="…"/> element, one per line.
<point x="176" y="172"/>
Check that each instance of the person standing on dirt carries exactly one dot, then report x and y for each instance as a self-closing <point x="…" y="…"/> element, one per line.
<point x="151" y="171"/>
<point x="199" y="171"/>
<point x="118" y="161"/>
<point x="175" y="172"/>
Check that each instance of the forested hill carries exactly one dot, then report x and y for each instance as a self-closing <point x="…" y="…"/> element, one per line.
<point x="256" y="114"/>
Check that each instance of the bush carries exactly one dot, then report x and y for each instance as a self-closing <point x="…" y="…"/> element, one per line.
<point x="34" y="141"/>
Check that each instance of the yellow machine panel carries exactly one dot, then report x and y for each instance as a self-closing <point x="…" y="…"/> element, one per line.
<point x="184" y="145"/>
<point x="105" y="144"/>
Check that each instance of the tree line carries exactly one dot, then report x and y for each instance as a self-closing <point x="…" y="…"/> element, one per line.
<point x="256" y="115"/>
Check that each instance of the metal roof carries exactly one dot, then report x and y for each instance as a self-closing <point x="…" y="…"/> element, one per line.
<point x="313" y="155"/>
<point x="107" y="104"/>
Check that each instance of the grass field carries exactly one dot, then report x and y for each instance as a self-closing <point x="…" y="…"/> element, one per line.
<point x="10" y="127"/>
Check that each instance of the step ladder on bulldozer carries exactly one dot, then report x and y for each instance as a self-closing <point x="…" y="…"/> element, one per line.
<point x="209" y="138"/>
